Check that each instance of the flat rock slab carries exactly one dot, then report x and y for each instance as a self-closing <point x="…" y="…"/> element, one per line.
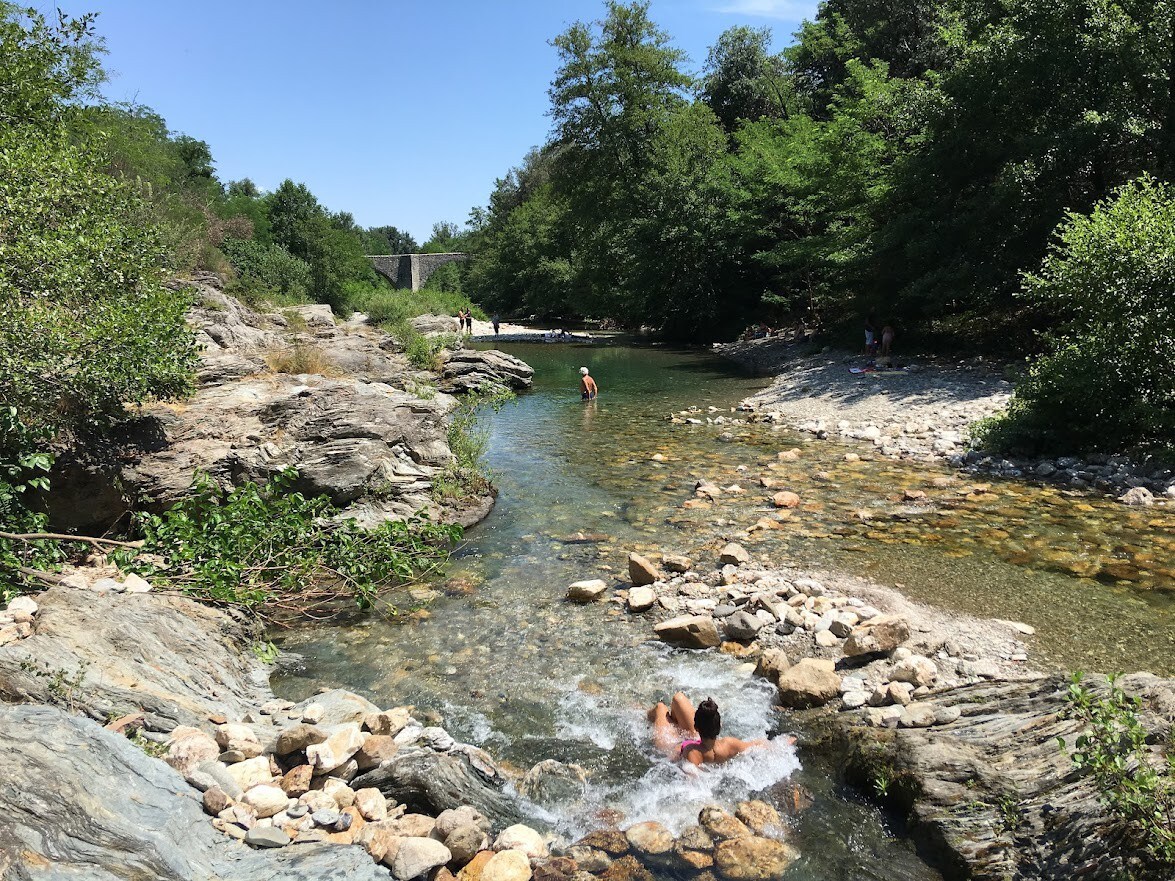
<point x="175" y="660"/>
<point x="142" y="822"/>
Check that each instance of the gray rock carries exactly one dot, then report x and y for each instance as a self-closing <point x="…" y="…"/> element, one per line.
<point x="176" y="660"/>
<point x="149" y="825"/>
<point x="471" y="369"/>
<point x="266" y="836"/>
<point x="429" y="782"/>
<point x="742" y="626"/>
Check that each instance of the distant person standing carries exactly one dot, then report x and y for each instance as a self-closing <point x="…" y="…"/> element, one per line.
<point x="587" y="386"/>
<point x="496" y="321"/>
<point x="887" y="335"/>
<point x="461" y="321"/>
<point x="870" y="336"/>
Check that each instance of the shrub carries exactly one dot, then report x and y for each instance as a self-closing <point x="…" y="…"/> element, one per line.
<point x="468" y="440"/>
<point x="1135" y="783"/>
<point x="1107" y="380"/>
<point x="267" y="272"/>
<point x="274" y="551"/>
<point x="81" y="263"/>
<point x="24" y="469"/>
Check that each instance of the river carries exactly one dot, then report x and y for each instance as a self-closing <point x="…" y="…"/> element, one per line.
<point x="512" y="667"/>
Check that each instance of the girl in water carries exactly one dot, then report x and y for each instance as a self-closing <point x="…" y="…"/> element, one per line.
<point x="692" y="736"/>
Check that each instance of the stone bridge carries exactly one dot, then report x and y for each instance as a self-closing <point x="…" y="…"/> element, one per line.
<point x="412" y="270"/>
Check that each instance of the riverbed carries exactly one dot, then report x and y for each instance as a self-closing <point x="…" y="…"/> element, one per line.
<point x="512" y="667"/>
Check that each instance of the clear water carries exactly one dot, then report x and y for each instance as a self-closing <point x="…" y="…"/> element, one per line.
<point x="511" y="666"/>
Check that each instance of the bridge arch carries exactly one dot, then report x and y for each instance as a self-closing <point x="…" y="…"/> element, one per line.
<point x="411" y="271"/>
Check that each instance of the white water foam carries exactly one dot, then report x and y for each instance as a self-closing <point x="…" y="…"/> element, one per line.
<point x="667" y="792"/>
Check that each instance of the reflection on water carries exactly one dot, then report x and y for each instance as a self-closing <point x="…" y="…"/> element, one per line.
<point x="512" y="667"/>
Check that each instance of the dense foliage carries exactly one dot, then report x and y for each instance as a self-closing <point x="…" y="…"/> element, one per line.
<point x="79" y="270"/>
<point x="906" y="159"/>
<point x="1106" y="380"/>
<point x="275" y="551"/>
<point x="1136" y="782"/>
<point x="100" y="206"/>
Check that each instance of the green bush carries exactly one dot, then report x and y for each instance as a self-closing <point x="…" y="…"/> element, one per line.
<point x="273" y="550"/>
<point x="1136" y="783"/>
<point x="267" y="273"/>
<point x="81" y="265"/>
<point x="468" y="439"/>
<point x="1107" y="380"/>
<point x="24" y="470"/>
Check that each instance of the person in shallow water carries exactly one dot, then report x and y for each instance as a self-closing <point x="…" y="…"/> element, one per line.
<point x="587" y="386"/>
<point x="692" y="735"/>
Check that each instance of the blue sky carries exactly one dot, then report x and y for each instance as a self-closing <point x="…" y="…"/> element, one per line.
<point x="398" y="111"/>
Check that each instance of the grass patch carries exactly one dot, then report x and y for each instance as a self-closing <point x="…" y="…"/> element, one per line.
<point x="302" y="357"/>
<point x="467" y="477"/>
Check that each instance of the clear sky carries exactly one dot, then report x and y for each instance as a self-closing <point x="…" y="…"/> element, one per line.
<point x="401" y="112"/>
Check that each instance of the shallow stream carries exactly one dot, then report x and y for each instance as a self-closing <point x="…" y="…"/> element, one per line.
<point x="512" y="667"/>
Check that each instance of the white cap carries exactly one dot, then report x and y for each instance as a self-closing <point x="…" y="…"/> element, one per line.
<point x="583" y="371"/>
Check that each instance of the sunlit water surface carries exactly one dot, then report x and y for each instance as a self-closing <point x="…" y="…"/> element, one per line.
<point x="514" y="668"/>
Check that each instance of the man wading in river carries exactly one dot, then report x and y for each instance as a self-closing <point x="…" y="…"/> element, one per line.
<point x="587" y="386"/>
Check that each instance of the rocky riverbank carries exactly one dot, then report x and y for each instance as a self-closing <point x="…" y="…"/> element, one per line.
<point x="337" y="400"/>
<point x="939" y="714"/>
<point x="199" y="771"/>
<point x="921" y="412"/>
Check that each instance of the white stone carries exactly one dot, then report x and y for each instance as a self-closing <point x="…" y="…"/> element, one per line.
<point x="251" y="772"/>
<point x="134" y="584"/>
<point x="313" y="713"/>
<point x="418" y="856"/>
<point x="641" y="599"/>
<point x="25" y="605"/>
<point x="587" y="591"/>
<point x="916" y="670"/>
<point x="336" y="749"/>
<point x="266" y="800"/>
<point x="825" y="639"/>
<point x="523" y="838"/>
<point x="851" y="700"/>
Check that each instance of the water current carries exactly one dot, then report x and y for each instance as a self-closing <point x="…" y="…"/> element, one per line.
<point x="512" y="667"/>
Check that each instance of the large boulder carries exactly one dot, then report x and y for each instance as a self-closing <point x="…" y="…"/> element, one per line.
<point x="998" y="748"/>
<point x="810" y="683"/>
<point x="352" y="422"/>
<point x="430" y="783"/>
<point x="880" y="635"/>
<point x="177" y="661"/>
<point x="143" y="821"/>
<point x="689" y="631"/>
<point x="468" y="370"/>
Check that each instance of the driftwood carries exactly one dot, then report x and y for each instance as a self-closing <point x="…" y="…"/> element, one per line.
<point x="58" y="536"/>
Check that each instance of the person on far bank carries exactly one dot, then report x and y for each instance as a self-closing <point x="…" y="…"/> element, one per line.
<point x="887" y="335"/>
<point x="496" y="321"/>
<point x="587" y="386"/>
<point x="870" y="337"/>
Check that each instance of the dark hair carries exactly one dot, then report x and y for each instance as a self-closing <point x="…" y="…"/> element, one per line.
<point x="707" y="719"/>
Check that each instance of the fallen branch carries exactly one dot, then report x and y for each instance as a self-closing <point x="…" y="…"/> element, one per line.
<point x="56" y="536"/>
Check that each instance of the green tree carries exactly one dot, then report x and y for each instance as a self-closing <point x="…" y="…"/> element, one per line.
<point x="80" y="272"/>
<point x="742" y="80"/>
<point x="1106" y="380"/>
